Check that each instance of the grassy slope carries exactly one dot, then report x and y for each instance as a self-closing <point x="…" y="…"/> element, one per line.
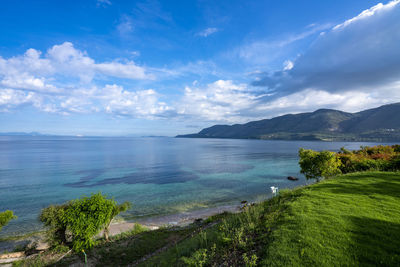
<point x="351" y="220"/>
<point x="347" y="221"/>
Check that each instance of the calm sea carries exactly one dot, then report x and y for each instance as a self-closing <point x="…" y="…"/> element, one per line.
<point x="158" y="175"/>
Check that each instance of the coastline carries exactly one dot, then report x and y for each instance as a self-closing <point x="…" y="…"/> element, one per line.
<point x="177" y="219"/>
<point x="10" y="243"/>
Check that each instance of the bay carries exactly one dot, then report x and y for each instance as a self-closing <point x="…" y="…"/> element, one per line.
<point x="159" y="176"/>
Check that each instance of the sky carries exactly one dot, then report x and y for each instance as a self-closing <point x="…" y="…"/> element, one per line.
<point x="118" y="68"/>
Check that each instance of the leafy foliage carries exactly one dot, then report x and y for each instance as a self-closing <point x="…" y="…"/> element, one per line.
<point x="52" y="217"/>
<point x="325" y="164"/>
<point x="80" y="220"/>
<point x="117" y="209"/>
<point x="315" y="165"/>
<point x="378" y="158"/>
<point x="6" y="217"/>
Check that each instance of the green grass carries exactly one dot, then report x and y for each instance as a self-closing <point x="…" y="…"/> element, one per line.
<point x="350" y="220"/>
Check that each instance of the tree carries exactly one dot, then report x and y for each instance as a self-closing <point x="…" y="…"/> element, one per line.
<point x="52" y="217"/>
<point x="117" y="210"/>
<point x="82" y="219"/>
<point x="315" y="165"/>
<point x="6" y="217"/>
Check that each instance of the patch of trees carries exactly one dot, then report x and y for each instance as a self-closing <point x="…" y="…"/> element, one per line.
<point x="325" y="164"/>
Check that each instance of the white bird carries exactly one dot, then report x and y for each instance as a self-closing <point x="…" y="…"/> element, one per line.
<point x="274" y="190"/>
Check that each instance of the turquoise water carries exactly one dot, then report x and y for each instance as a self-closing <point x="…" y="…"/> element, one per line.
<point x="158" y="175"/>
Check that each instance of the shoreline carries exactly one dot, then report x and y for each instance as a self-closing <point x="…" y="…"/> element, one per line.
<point x="177" y="219"/>
<point x="10" y="243"/>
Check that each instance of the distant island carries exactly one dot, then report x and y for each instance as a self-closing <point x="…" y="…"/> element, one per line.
<point x="380" y="124"/>
<point x="22" y="134"/>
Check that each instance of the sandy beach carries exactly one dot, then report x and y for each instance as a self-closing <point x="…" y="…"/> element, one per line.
<point x="179" y="219"/>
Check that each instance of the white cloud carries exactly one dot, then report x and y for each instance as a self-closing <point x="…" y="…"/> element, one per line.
<point x="207" y="32"/>
<point x="10" y="98"/>
<point x="288" y="65"/>
<point x="112" y="99"/>
<point x="266" y="51"/>
<point x="219" y="101"/>
<point x="32" y="71"/>
<point x="368" y="13"/>
<point x="361" y="54"/>
<point x="127" y="70"/>
<point x="28" y="82"/>
<point x="49" y="83"/>
<point x="144" y="103"/>
<point x="71" y="61"/>
<point x="313" y="99"/>
<point x="125" y="26"/>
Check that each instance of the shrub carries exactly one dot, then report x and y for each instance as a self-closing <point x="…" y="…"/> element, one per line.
<point x="81" y="219"/>
<point x="52" y="217"/>
<point x="6" y="217"/>
<point x="378" y="158"/>
<point x="315" y="165"/>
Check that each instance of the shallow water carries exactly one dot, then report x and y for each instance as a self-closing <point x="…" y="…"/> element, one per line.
<point x="158" y="175"/>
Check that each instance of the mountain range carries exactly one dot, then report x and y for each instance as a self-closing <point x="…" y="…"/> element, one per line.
<point x="377" y="124"/>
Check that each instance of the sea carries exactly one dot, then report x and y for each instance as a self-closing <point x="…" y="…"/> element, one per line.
<point x="158" y="175"/>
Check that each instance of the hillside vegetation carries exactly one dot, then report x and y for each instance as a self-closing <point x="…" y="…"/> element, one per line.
<point x="378" y="124"/>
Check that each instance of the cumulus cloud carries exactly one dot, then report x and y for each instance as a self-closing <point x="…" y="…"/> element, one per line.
<point x="111" y="99"/>
<point x="207" y="32"/>
<point x="10" y="98"/>
<point x="360" y="54"/>
<point x="144" y="103"/>
<point x="32" y="71"/>
<point x="48" y="82"/>
<point x="310" y="100"/>
<point x="222" y="100"/>
<point x="70" y="61"/>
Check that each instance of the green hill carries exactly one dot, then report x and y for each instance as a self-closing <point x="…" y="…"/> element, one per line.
<point x="378" y="124"/>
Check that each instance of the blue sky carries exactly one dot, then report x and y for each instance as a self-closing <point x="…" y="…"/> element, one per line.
<point x="107" y="67"/>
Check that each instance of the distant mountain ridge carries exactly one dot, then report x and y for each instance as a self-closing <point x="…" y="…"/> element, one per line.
<point x="377" y="124"/>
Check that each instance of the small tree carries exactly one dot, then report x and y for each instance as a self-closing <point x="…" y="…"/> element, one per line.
<point x="83" y="219"/>
<point x="52" y="217"/>
<point x="117" y="210"/>
<point x="315" y="165"/>
<point x="6" y="217"/>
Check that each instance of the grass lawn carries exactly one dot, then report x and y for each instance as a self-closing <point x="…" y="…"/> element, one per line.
<point x="347" y="221"/>
<point x="351" y="220"/>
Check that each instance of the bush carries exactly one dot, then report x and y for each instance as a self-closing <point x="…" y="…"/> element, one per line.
<point x="6" y="217"/>
<point x="81" y="220"/>
<point x="377" y="158"/>
<point x="315" y="165"/>
<point x="52" y="217"/>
